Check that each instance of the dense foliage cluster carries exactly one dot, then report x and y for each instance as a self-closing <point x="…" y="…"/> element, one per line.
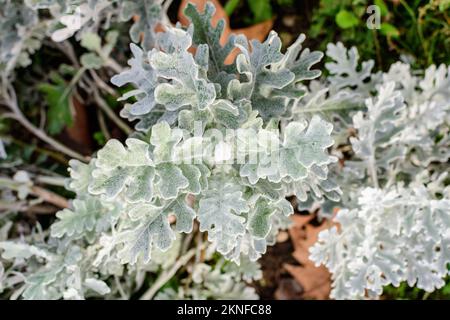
<point x="394" y="216"/>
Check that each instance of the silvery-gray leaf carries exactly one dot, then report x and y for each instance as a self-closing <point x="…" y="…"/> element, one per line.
<point x="205" y="33"/>
<point x="220" y="212"/>
<point x="344" y="69"/>
<point x="143" y="77"/>
<point x="153" y="230"/>
<point x="86" y="216"/>
<point x="186" y="86"/>
<point x="388" y="238"/>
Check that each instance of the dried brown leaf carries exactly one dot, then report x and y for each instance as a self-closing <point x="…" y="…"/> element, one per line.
<point x="315" y="281"/>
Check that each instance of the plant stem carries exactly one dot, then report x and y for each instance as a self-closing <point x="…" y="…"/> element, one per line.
<point x="102" y="84"/>
<point x="418" y="26"/>
<point x="46" y="195"/>
<point x="110" y="113"/>
<point x="327" y="108"/>
<point x="377" y="48"/>
<point x="167" y="275"/>
<point x="50" y="153"/>
<point x="11" y="102"/>
<point x="117" y="68"/>
<point x="373" y="173"/>
<point x="120" y="288"/>
<point x="102" y="124"/>
<point x="53" y="181"/>
<point x="198" y="247"/>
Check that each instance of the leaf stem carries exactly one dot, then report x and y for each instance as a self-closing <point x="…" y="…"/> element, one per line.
<point x="102" y="124"/>
<point x="373" y="173"/>
<point x="168" y="274"/>
<point x="53" y="181"/>
<point x="50" y="197"/>
<point x="11" y="102"/>
<point x="110" y="113"/>
<point x="328" y="108"/>
<point x="418" y="26"/>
